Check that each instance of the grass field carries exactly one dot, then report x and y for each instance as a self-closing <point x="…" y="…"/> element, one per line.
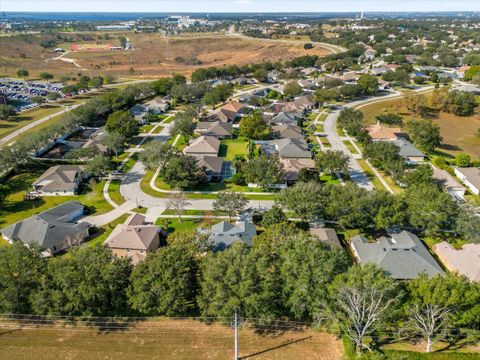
<point x="458" y="132"/>
<point x="25" y="118"/>
<point x="153" y="56"/>
<point x="167" y="339"/>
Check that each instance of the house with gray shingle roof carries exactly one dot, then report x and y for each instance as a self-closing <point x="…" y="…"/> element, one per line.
<point x="401" y="254"/>
<point x="292" y="148"/>
<point x="224" y="234"/>
<point x="218" y="129"/>
<point x="288" y="131"/>
<point x="53" y="230"/>
<point x="408" y="151"/>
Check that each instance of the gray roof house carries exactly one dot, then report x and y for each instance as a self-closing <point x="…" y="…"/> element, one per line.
<point x="218" y="129"/>
<point x="53" y="230"/>
<point x="470" y="176"/>
<point x="408" y="151"/>
<point x="224" y="234"/>
<point x="288" y="131"/>
<point x="292" y="148"/>
<point x="285" y="118"/>
<point x="212" y="165"/>
<point x="402" y="255"/>
<point x="203" y="145"/>
<point x="59" y="180"/>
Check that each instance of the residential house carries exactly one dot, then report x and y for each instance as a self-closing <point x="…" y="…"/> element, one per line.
<point x="470" y="177"/>
<point x="326" y="235"/>
<point x="139" y="112"/>
<point x="285" y="131"/>
<point x="286" y="118"/>
<point x="203" y="145"/>
<point x="380" y="70"/>
<point x="309" y="70"/>
<point x="307" y="84"/>
<point x="276" y="107"/>
<point x="301" y="104"/>
<point x="291" y="148"/>
<point x="59" y="180"/>
<point x="224" y="234"/>
<point x="379" y="132"/>
<point x="471" y="88"/>
<point x="292" y="168"/>
<point x="408" y="151"/>
<point x="134" y="239"/>
<point x="212" y="165"/>
<point x="465" y="261"/>
<point x="448" y="183"/>
<point x="218" y="129"/>
<point x="158" y="105"/>
<point x="53" y="230"/>
<point x="401" y="254"/>
<point x="273" y="76"/>
<point x="228" y="112"/>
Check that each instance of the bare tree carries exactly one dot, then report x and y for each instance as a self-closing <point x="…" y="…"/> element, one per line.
<point x="358" y="302"/>
<point x="178" y="202"/>
<point x="430" y="321"/>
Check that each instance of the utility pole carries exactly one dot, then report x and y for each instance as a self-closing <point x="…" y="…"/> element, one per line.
<point x="236" y="336"/>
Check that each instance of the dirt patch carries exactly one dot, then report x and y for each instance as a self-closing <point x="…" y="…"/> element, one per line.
<point x="153" y="56"/>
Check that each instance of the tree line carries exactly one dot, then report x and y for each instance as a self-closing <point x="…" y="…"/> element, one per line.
<point x="285" y="274"/>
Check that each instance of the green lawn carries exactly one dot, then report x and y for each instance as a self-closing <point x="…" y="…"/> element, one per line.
<point x="231" y="147"/>
<point x="376" y="182"/>
<point x="114" y="192"/>
<point x="25" y="118"/>
<point x="158" y="129"/>
<point x="14" y="208"/>
<point x="329" y="179"/>
<point x="146" y="128"/>
<point x="324" y="141"/>
<point x="140" y="210"/>
<point x="187" y="212"/>
<point x="350" y="147"/>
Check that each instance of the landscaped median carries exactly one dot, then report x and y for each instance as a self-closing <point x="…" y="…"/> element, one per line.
<point x="207" y="191"/>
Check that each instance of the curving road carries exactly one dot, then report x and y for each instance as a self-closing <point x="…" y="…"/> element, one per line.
<point x="356" y="172"/>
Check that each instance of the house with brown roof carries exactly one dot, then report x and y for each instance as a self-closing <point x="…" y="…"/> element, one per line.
<point x="212" y="165"/>
<point x="134" y="239"/>
<point x="326" y="235"/>
<point x="228" y="112"/>
<point x="379" y="132"/>
<point x="286" y="131"/>
<point x="203" y="145"/>
<point x="292" y="168"/>
<point x="59" y="180"/>
<point x="464" y="261"/>
<point x="218" y="129"/>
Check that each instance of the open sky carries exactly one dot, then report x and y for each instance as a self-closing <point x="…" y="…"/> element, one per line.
<point x="237" y="5"/>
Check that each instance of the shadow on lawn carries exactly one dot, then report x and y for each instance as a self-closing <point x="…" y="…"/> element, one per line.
<point x="284" y="344"/>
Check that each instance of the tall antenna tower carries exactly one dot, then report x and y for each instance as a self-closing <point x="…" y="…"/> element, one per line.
<point x="361" y="16"/>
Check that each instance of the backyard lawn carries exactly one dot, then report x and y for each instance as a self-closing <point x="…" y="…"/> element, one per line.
<point x="14" y="208"/>
<point x="231" y="147"/>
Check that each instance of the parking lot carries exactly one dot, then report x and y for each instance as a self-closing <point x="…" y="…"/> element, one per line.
<point x="20" y="93"/>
